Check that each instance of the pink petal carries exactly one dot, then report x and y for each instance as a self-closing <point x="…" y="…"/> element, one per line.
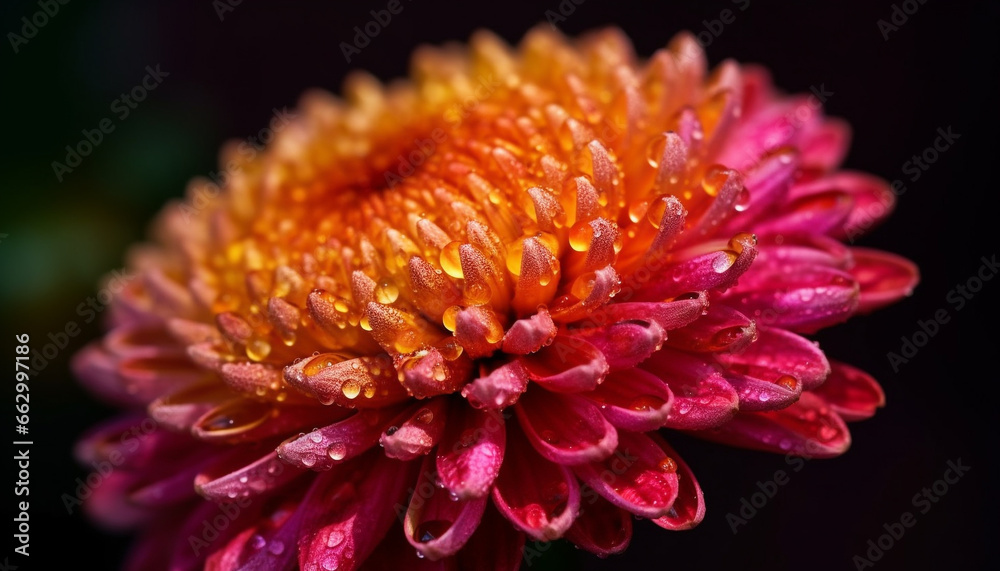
<point x="566" y="429"/>
<point x="766" y="184"/>
<point x="668" y="315"/>
<point x="245" y="420"/>
<point x="418" y="434"/>
<point x="689" y="507"/>
<point x="714" y="265"/>
<point x="529" y="334"/>
<point x="334" y="378"/>
<point x="873" y="200"/>
<point x="569" y="365"/>
<point x="851" y="393"/>
<point x="498" y="389"/>
<point x="625" y="344"/>
<point x="821" y="213"/>
<point x="240" y="475"/>
<point x="806" y="301"/>
<point x="435" y="524"/>
<point x="702" y="397"/>
<point x="599" y="287"/>
<point x="721" y="329"/>
<point x="807" y="428"/>
<point x="537" y="496"/>
<point x="640" y="477"/>
<point x="884" y="278"/>
<point x="633" y="400"/>
<point x="433" y="371"/>
<point x="758" y="395"/>
<point x="602" y="528"/>
<point x="345" y="515"/>
<point x="825" y="145"/>
<point x="778" y="354"/>
<point x="471" y="451"/>
<point x="323" y="448"/>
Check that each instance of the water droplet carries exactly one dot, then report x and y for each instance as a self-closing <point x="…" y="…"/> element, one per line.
<point x="351" y="389"/>
<point x="787" y="381"/>
<point x="337" y="451"/>
<point x="386" y="292"/>
<point x="451" y="261"/>
<point x="667" y="464"/>
<point x="391" y="430"/>
<point x="723" y="261"/>
<point x="450" y="317"/>
<point x="431" y="530"/>
<point x="742" y="200"/>
<point x="655" y="148"/>
<point x="715" y="177"/>
<point x="257" y="541"/>
<point x="425" y="416"/>
<point x="258" y="349"/>
<point x="584" y="285"/>
<point x="646" y="403"/>
<point x="276" y="547"/>
<point x="336" y="538"/>
<point x="581" y="235"/>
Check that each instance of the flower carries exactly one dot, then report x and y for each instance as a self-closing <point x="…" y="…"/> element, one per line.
<point x="457" y="312"/>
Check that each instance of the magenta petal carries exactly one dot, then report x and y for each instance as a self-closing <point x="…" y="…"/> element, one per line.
<point x="767" y="182"/>
<point x="500" y="388"/>
<point x="778" y="354"/>
<point x="702" y="397"/>
<point x="713" y="265"/>
<point x="851" y="393"/>
<point x="537" y="496"/>
<point x="602" y="528"/>
<point x="807" y="428"/>
<point x="689" y="507"/>
<point x="569" y="365"/>
<point x="418" y="434"/>
<point x="821" y="213"/>
<point x="871" y="196"/>
<point x="222" y="482"/>
<point x="640" y="477"/>
<point x="471" y="451"/>
<point x="757" y="395"/>
<point x="627" y="343"/>
<point x="566" y="429"/>
<point x="323" y="448"/>
<point x="803" y="301"/>
<point x="334" y="379"/>
<point x="529" y="334"/>
<point x="96" y="369"/>
<point x="721" y="329"/>
<point x="668" y="315"/>
<point x="824" y="145"/>
<point x="349" y="511"/>
<point x="436" y="524"/>
<point x="633" y="400"/>
<point x="884" y="278"/>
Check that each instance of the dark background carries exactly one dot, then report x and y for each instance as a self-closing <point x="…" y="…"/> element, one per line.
<point x="938" y="70"/>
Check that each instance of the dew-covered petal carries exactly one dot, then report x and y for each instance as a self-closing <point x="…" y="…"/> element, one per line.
<point x="537" y="496"/>
<point x="322" y="448"/>
<point x="777" y="354"/>
<point x="689" y="508"/>
<point x="851" y="393"/>
<point x="568" y="365"/>
<point x="566" y="429"/>
<point x="702" y="397"/>
<point x="640" y="477"/>
<point x="633" y="400"/>
<point x="471" y="451"/>
<point x="602" y="528"/>
<point x="809" y="428"/>
<point x="884" y="278"/>
<point x="498" y="389"/>
<point x="418" y="434"/>
<point x="436" y="524"/>
<point x="625" y="344"/>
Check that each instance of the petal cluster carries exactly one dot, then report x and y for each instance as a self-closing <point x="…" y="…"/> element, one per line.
<point x="458" y="312"/>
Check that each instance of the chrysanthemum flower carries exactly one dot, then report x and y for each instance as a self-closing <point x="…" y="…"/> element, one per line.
<point x="460" y="311"/>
